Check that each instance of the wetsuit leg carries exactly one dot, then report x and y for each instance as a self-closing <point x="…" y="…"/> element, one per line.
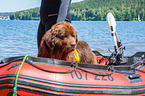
<point x="43" y="29"/>
<point x="50" y="22"/>
<point x="40" y="33"/>
<point x="47" y="22"/>
<point x="63" y="10"/>
<point x="68" y="18"/>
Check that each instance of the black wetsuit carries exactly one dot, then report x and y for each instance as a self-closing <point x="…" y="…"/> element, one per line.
<point x="52" y="12"/>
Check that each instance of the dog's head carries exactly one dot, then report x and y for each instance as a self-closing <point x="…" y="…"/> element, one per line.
<point x="62" y="36"/>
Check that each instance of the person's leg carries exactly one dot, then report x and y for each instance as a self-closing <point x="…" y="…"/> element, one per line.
<point x="41" y="32"/>
<point x="68" y="18"/>
<point x="50" y="22"/>
<point x="42" y="29"/>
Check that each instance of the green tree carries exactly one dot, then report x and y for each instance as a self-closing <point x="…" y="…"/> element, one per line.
<point x="94" y="10"/>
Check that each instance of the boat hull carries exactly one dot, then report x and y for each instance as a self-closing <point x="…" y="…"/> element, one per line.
<point x="44" y="77"/>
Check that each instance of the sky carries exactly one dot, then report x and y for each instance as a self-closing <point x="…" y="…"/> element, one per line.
<point x="18" y="5"/>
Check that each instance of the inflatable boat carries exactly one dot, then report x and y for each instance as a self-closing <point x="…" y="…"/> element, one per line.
<point x="44" y="77"/>
<point x="113" y="75"/>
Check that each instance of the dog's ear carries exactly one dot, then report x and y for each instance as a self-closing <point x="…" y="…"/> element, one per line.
<point x="53" y="33"/>
<point x="49" y="38"/>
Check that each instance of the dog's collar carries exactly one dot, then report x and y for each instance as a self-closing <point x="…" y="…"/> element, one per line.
<point x="76" y="55"/>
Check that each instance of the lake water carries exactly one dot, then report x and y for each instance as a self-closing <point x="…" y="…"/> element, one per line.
<point x="19" y="38"/>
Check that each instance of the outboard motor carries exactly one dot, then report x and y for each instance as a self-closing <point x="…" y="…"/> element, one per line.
<point x="117" y="55"/>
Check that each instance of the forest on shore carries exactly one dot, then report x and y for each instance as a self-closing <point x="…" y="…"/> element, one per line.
<point x="94" y="10"/>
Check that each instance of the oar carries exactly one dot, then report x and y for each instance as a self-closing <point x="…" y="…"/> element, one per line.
<point x="111" y="23"/>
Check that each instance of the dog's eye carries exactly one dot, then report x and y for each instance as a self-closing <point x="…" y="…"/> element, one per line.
<point x="73" y="36"/>
<point x="62" y="37"/>
<point x="57" y="35"/>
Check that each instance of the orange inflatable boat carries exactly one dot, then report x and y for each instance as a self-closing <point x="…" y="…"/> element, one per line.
<point x="113" y="75"/>
<point x="33" y="76"/>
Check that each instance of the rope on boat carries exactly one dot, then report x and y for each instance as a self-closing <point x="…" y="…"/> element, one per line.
<point x="112" y="69"/>
<point x="99" y="74"/>
<point x="16" y="79"/>
<point x="69" y="71"/>
<point x="140" y="70"/>
<point x="17" y="59"/>
<point x="75" y="65"/>
<point x="143" y="63"/>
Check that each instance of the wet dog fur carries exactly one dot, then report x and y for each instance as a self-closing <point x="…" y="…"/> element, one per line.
<point x="60" y="42"/>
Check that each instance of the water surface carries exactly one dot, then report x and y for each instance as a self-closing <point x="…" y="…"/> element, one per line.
<point x="19" y="37"/>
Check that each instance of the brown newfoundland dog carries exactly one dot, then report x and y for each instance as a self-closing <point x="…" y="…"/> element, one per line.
<point x="60" y="42"/>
